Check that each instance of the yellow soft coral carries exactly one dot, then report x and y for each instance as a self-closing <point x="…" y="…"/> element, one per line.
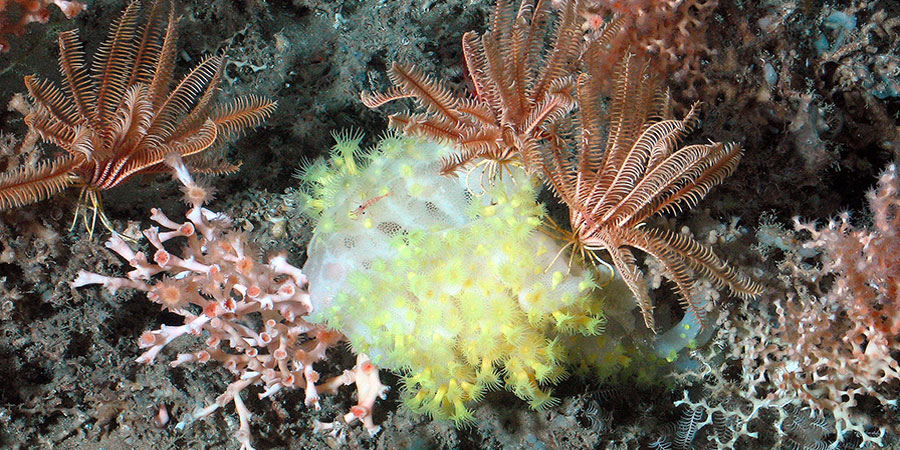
<point x="450" y="284"/>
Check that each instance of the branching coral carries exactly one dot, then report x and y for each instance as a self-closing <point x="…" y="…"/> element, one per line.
<point x="250" y="315"/>
<point x="671" y="33"/>
<point x="828" y="348"/>
<point x="15" y="14"/>
<point x="841" y="350"/>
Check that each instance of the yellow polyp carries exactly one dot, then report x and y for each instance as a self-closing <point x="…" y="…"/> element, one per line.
<point x="509" y="248"/>
<point x="557" y="278"/>
<point x="585" y="285"/>
<point x="349" y="162"/>
<point x="542" y="400"/>
<point x="541" y="371"/>
<point x="554" y="351"/>
<point x="419" y="398"/>
<point x="521" y="377"/>
<point x="435" y="402"/>
<point x="672" y="356"/>
<point x="489" y="378"/>
<point x="461" y="415"/>
<point x="591" y="325"/>
<point x="560" y="317"/>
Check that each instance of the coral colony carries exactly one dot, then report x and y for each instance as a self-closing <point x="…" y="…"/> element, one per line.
<point x="15" y="14"/>
<point x="249" y="314"/>
<point x="434" y="255"/>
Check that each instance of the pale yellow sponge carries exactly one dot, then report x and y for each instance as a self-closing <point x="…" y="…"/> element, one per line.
<point x="446" y="280"/>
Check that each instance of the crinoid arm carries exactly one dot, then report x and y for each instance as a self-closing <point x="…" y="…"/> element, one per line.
<point x="32" y="184"/>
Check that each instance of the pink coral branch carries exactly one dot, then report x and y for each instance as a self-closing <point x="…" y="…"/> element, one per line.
<point x="29" y="11"/>
<point x="222" y="291"/>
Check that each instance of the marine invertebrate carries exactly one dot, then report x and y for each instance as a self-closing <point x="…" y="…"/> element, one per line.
<point x="15" y="14"/>
<point x="669" y="33"/>
<point x="816" y="364"/>
<point x="250" y="315"/>
<point x="621" y="176"/>
<point x="522" y="86"/>
<point x="120" y="118"/>
<point x="451" y="285"/>
<point x="830" y="365"/>
<point x="520" y="112"/>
